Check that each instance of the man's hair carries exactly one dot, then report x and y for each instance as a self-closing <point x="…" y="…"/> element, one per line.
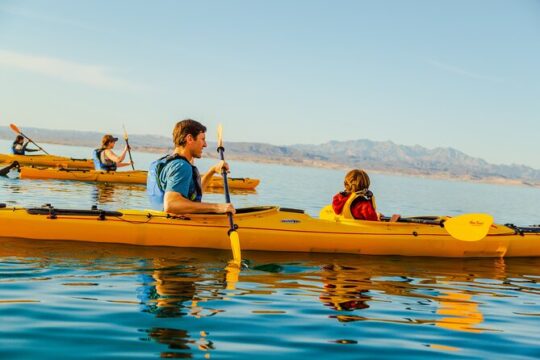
<point x="356" y="180"/>
<point x="184" y="128"/>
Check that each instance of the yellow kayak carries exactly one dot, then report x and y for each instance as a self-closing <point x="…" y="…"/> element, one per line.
<point x="48" y="160"/>
<point x="126" y="177"/>
<point x="264" y="228"/>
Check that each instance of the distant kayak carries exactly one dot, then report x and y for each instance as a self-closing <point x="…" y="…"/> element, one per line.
<point x="265" y="228"/>
<point x="126" y="177"/>
<point x="48" y="160"/>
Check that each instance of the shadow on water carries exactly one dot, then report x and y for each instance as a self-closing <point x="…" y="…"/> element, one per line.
<point x="174" y="283"/>
<point x="107" y="193"/>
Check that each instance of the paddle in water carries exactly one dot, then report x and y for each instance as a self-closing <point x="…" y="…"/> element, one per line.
<point x="16" y="130"/>
<point x="233" y="235"/>
<point x="469" y="227"/>
<point x="129" y="149"/>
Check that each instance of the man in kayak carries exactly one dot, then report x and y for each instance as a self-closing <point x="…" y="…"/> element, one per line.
<point x="357" y="201"/>
<point x="174" y="184"/>
<point x="19" y="147"/>
<point x="105" y="158"/>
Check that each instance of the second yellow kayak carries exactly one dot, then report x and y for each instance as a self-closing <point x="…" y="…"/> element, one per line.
<point x="48" y="160"/>
<point x="126" y="177"/>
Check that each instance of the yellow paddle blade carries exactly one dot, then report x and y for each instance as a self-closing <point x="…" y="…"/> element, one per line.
<point x="220" y="136"/>
<point x="15" y="128"/>
<point x="125" y="132"/>
<point x="235" y="246"/>
<point x="469" y="227"/>
<point x="232" y="273"/>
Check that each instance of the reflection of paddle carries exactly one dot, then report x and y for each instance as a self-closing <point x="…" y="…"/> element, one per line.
<point x="129" y="149"/>
<point x="16" y="129"/>
<point x="233" y="235"/>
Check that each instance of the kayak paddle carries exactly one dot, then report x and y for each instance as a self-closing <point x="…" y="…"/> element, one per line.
<point x="16" y="130"/>
<point x="129" y="149"/>
<point x="469" y="227"/>
<point x="466" y="227"/>
<point x="233" y="235"/>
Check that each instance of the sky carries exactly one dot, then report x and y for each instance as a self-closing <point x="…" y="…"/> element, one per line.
<point x="449" y="73"/>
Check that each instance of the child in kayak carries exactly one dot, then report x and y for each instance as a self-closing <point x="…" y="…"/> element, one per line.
<point x="357" y="200"/>
<point x="19" y="147"/>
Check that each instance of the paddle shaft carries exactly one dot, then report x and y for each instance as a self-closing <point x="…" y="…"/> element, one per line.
<point x="129" y="153"/>
<point x="226" y="188"/>
<point x="415" y="221"/>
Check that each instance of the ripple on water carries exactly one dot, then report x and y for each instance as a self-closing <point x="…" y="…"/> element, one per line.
<point x="110" y="301"/>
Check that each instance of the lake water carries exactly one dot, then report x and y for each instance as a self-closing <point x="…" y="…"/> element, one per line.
<point x="105" y="301"/>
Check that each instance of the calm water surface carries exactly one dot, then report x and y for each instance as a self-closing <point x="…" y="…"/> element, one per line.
<point x="76" y="300"/>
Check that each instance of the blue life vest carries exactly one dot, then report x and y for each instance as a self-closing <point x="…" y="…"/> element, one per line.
<point x="18" y="150"/>
<point x="98" y="164"/>
<point x="154" y="187"/>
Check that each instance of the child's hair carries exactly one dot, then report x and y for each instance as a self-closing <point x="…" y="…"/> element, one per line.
<point x="356" y="180"/>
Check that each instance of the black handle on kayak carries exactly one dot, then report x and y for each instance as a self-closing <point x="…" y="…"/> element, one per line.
<point x="520" y="230"/>
<point x="416" y="221"/>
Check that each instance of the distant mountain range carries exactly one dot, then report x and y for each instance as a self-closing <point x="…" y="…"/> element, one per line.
<point x="381" y="156"/>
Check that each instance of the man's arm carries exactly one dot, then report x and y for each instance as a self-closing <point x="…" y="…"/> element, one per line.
<point x="216" y="169"/>
<point x="175" y="203"/>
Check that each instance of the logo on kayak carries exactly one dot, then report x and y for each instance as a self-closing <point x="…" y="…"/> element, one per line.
<point x="290" y="221"/>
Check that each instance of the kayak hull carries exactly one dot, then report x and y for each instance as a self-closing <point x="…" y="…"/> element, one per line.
<point x="48" y="160"/>
<point x="125" y="177"/>
<point x="265" y="229"/>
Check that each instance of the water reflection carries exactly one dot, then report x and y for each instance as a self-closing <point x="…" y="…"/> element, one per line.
<point x="181" y="294"/>
<point x="341" y="293"/>
<point x="351" y="288"/>
<point x="452" y="290"/>
<point x="108" y="193"/>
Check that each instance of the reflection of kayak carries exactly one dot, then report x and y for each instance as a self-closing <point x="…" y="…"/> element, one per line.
<point x="126" y="177"/>
<point x="48" y="160"/>
<point x="262" y="228"/>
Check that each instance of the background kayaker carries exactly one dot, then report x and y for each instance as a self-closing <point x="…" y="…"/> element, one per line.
<point x="19" y="147"/>
<point x="105" y="158"/>
<point x="174" y="183"/>
<point x="357" y="200"/>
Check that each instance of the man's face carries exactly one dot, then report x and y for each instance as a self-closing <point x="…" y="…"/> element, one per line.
<point x="197" y="145"/>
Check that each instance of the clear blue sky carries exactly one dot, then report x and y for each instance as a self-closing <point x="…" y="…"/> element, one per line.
<point x="464" y="74"/>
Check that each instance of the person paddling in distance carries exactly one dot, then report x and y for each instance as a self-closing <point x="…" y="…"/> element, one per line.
<point x="105" y="158"/>
<point x="19" y="147"/>
<point x="174" y="184"/>
<point x="357" y="201"/>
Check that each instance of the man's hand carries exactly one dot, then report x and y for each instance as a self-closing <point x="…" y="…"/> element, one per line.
<point x="225" y="208"/>
<point x="219" y="166"/>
